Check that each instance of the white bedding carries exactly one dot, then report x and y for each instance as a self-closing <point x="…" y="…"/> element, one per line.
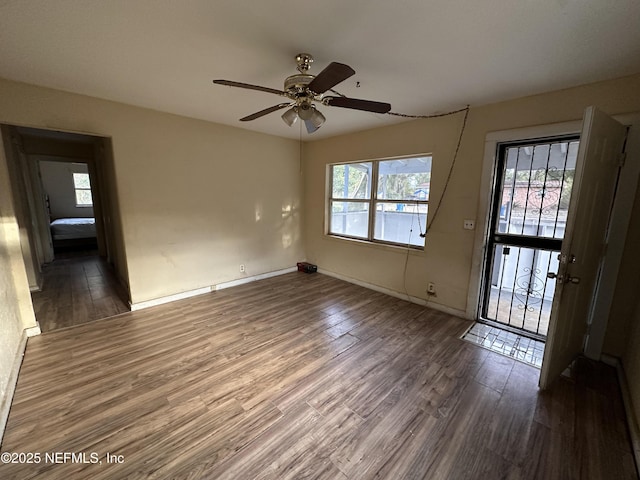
<point x="70" y="228"/>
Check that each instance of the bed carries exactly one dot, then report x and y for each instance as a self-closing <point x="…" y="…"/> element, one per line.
<point x="72" y="232"/>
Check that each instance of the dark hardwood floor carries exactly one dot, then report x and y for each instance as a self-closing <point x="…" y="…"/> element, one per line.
<point x="303" y="376"/>
<point x="78" y="287"/>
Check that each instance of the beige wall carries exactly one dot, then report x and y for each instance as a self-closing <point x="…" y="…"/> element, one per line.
<point x="17" y="172"/>
<point x="16" y="311"/>
<point x="623" y="334"/>
<point x="108" y="193"/>
<point x="631" y="360"/>
<point x="624" y="300"/>
<point x="446" y="260"/>
<point x="57" y="180"/>
<point x="196" y="199"/>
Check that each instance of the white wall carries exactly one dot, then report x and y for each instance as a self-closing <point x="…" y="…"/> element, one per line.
<point x="57" y="180"/>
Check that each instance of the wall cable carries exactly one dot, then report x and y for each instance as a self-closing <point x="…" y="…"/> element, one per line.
<point x="434" y="115"/>
<point x="406" y="260"/>
<point x="444" y="190"/>
<point x="453" y="164"/>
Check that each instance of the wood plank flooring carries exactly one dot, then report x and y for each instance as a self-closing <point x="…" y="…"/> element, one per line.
<point x="77" y="287"/>
<point x="303" y="376"/>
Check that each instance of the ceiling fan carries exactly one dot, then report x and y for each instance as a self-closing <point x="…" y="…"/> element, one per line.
<point x="303" y="89"/>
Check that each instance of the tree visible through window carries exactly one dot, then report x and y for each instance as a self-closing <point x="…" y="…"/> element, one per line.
<point x="83" y="190"/>
<point x="381" y="200"/>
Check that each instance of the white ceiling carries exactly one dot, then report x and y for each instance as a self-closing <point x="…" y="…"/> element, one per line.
<point x="422" y="56"/>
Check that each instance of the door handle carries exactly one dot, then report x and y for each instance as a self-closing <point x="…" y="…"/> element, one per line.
<point x="566" y="259"/>
<point x="563" y="279"/>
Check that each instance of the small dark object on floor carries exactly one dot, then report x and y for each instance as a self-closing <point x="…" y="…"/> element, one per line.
<point x="307" y="267"/>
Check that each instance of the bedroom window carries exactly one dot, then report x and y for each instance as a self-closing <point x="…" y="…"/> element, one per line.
<point x="83" y="190"/>
<point x="382" y="201"/>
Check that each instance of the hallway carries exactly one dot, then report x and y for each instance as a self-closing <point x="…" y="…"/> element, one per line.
<point x="78" y="287"/>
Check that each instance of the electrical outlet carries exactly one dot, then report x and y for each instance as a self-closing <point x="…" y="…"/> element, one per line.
<point x="431" y="288"/>
<point x="469" y="224"/>
<point x="242" y="268"/>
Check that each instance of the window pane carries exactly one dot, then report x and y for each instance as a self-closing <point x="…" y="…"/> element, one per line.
<point x="83" y="197"/>
<point x="401" y="223"/>
<point x="351" y="180"/>
<point x="404" y="179"/>
<point x="81" y="180"/>
<point x="350" y="218"/>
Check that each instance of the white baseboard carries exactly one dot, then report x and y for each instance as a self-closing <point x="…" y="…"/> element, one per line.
<point x="632" y="421"/>
<point x="33" y="331"/>
<point x="203" y="290"/>
<point x="419" y="301"/>
<point x="169" y="298"/>
<point x="262" y="276"/>
<point x="5" y="403"/>
<point x="610" y="360"/>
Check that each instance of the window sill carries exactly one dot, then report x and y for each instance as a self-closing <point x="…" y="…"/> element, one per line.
<point x="403" y="249"/>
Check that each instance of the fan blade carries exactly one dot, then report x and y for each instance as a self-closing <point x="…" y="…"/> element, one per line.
<point x="357" y="104"/>
<point x="330" y="77"/>
<point x="266" y="111"/>
<point x="229" y="83"/>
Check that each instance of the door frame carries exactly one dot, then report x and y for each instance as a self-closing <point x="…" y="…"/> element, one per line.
<point x="619" y="220"/>
<point x="101" y="172"/>
<point x="494" y="238"/>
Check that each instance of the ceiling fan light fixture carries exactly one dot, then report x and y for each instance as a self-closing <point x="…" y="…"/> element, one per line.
<point x="311" y="127"/>
<point x="305" y="111"/>
<point x="317" y="119"/>
<point x="311" y="117"/>
<point x="290" y="116"/>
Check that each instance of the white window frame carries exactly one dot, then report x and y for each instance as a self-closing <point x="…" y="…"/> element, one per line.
<point x="76" y="188"/>
<point x="373" y="201"/>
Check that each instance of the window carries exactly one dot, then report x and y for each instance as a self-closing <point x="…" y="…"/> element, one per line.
<point x="382" y="201"/>
<point x="83" y="190"/>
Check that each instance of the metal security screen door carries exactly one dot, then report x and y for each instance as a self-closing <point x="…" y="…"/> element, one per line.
<point x="529" y="213"/>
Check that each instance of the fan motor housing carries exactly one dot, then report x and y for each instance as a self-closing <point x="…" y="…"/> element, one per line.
<point x="297" y="83"/>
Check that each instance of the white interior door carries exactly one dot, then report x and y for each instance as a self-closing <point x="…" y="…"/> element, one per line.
<point x="601" y="143"/>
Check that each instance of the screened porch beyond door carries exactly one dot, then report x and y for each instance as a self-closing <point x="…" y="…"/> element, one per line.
<point x="521" y="294"/>
<point x="528" y="222"/>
